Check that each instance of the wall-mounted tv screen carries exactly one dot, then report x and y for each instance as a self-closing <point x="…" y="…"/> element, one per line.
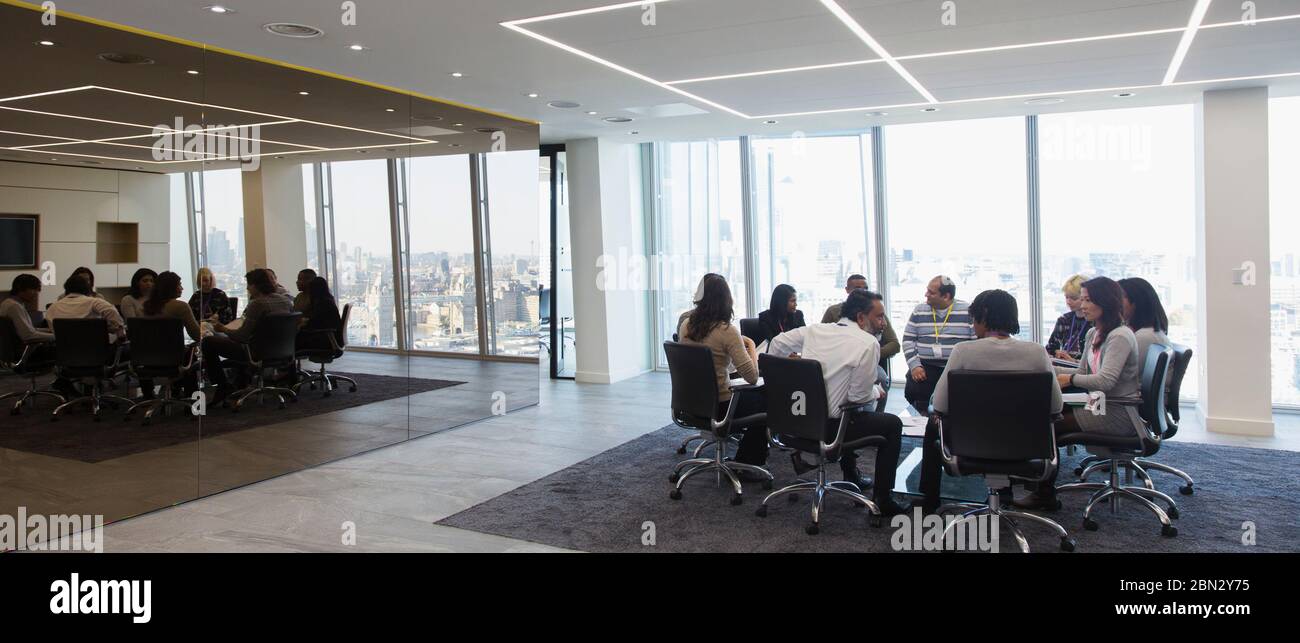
<point x="19" y="240"/>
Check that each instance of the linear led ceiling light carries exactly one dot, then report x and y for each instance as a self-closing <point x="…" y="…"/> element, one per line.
<point x="1185" y="43"/>
<point x="865" y="37"/>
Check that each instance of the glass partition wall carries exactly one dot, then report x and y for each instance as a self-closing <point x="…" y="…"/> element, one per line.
<point x="416" y="221"/>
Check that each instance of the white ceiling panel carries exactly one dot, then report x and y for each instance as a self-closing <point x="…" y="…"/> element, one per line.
<point x="1232" y="11"/>
<point x="807" y="91"/>
<point x="699" y="38"/>
<point x="1231" y="52"/>
<point x="1056" y="68"/>
<point x="908" y="27"/>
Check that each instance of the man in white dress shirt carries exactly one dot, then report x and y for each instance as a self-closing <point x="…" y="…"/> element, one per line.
<point x="849" y="352"/>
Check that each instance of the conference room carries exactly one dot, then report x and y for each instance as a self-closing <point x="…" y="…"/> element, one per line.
<point x="688" y="276"/>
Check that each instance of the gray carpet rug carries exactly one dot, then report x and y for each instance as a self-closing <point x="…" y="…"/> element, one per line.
<point x="609" y="503"/>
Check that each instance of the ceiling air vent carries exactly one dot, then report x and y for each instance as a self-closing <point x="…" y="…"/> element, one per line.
<point x="293" y="30"/>
<point x="125" y="59"/>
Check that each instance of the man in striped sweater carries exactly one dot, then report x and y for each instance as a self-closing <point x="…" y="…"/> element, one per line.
<point x="934" y="328"/>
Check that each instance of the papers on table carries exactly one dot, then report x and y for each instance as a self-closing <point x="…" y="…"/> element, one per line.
<point x="913" y="425"/>
<point x="1074" y="398"/>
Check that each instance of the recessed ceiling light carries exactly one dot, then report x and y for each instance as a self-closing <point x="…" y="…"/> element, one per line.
<point x="389" y="109"/>
<point x="770" y="122"/>
<point x="591" y="113"/>
<point x="1124" y="95"/>
<point x="634" y="132"/>
<point x="1044" y="101"/>
<point x="192" y="72"/>
<point x="455" y="145"/>
<point x="293" y="30"/>
<point x="46" y="43"/>
<point x="304" y="93"/>
<point x="532" y="94"/>
<point x="458" y="125"/>
<point x="930" y="109"/>
<point x="121" y="58"/>
<point x="487" y="130"/>
<point x="279" y="157"/>
<point x="616" y="119"/>
<point x="564" y="104"/>
<point x="363" y="151"/>
<point x="456" y="74"/>
<point x="358" y="47"/>
<point x="216" y="8"/>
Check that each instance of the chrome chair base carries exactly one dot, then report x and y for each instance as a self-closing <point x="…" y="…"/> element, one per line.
<point x="1113" y="490"/>
<point x="26" y="397"/>
<point x="95" y="400"/>
<point x="1093" y="463"/>
<point x="328" y="381"/>
<point x="821" y="488"/>
<point x="1006" y="517"/>
<point x="160" y="403"/>
<point x="722" y="466"/>
<point x="281" y="393"/>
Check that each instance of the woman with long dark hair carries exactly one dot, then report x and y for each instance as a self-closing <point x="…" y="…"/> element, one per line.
<point x="141" y="283"/>
<point x="164" y="301"/>
<point x="699" y="294"/>
<point x="1144" y="314"/>
<point x="782" y="313"/>
<point x="710" y="325"/>
<point x="321" y="315"/>
<point x="1110" y="365"/>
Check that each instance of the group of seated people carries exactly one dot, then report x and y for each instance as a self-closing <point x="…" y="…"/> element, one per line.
<point x="1098" y="345"/>
<point x="208" y="318"/>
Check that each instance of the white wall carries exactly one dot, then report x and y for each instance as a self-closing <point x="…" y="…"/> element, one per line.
<point x="71" y="200"/>
<point x="610" y="278"/>
<point x="275" y="232"/>
<point x="1232" y="228"/>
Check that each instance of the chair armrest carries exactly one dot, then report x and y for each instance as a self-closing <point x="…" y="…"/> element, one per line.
<point x="736" y="388"/>
<point x="855" y="407"/>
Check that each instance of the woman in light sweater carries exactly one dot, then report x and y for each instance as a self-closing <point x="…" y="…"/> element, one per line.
<point x="1144" y="314"/>
<point x="1109" y="365"/>
<point x="141" y="284"/>
<point x="710" y="325"/>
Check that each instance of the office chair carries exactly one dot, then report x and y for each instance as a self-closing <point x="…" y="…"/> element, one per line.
<point x="787" y="383"/>
<point x="1121" y="450"/>
<point x="232" y="304"/>
<point x="338" y="343"/>
<point x="751" y="328"/>
<point x="695" y="403"/>
<point x="270" y="348"/>
<point x="83" y="352"/>
<point x="25" y="361"/>
<point x="158" y="352"/>
<point x="1177" y="369"/>
<point x="999" y="426"/>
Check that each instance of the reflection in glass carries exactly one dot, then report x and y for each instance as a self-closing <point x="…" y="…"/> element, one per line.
<point x="514" y="219"/>
<point x="1284" y="230"/>
<point x="364" y="251"/>
<point x="442" y="311"/>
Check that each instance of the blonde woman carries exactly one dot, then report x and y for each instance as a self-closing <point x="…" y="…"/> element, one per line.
<point x="208" y="302"/>
<point x="1066" y="341"/>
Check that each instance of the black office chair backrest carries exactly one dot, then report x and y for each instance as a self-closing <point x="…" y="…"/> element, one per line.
<point x="796" y="396"/>
<point x="999" y="415"/>
<point x="82" y="344"/>
<point x="11" y="346"/>
<point x="342" y="335"/>
<point x="232" y="304"/>
<point x="751" y="328"/>
<point x="695" y="387"/>
<point x="1177" y="369"/>
<point x="157" y="343"/>
<point x="273" y="339"/>
<point x="1155" y="372"/>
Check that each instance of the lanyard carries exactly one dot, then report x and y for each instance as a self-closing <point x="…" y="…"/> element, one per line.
<point x="935" y="318"/>
<point x="1073" y="338"/>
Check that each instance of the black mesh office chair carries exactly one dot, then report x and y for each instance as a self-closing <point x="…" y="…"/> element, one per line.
<point x="338" y="343"/>
<point x="159" y="353"/>
<point x="271" y="348"/>
<point x="26" y="361"/>
<point x="999" y="426"/>
<point x="797" y="414"/>
<point x="232" y="305"/>
<point x="695" y="404"/>
<point x="82" y="352"/>
<point x="751" y="328"/>
<point x="1123" y="449"/>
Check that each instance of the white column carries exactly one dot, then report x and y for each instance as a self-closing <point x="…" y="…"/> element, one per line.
<point x="275" y="230"/>
<point x="1232" y="229"/>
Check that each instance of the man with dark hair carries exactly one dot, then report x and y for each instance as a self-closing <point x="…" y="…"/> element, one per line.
<point x="78" y="302"/>
<point x="302" y="301"/>
<point x="849" y="358"/>
<point x="995" y="321"/>
<point x="23" y="298"/>
<point x="889" y="345"/>
<point x="263" y="301"/>
<point x="932" y="331"/>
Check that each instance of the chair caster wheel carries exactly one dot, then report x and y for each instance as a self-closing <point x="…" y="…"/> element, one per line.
<point x="875" y="521"/>
<point x="737" y="499"/>
<point x="1186" y="490"/>
<point x="812" y="530"/>
<point x="675" y="494"/>
<point x="1168" y="531"/>
<point x="1067" y="544"/>
<point x="352" y="389"/>
<point x="1090" y="524"/>
<point x="681" y="450"/>
<point x="327" y="394"/>
<point x="1078" y="471"/>
<point x="1172" y="512"/>
<point x="674" y="477"/>
<point x="767" y="485"/>
<point x="761" y="512"/>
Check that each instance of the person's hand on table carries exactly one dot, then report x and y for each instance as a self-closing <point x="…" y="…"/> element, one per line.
<point x="1063" y="380"/>
<point x="1065" y="356"/>
<point x="796" y="356"/>
<point x="918" y="374"/>
<point x="218" y="327"/>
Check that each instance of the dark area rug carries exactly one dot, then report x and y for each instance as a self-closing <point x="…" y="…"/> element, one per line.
<point x="608" y="503"/>
<point x="77" y="437"/>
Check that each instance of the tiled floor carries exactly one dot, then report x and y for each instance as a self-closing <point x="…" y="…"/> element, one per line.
<point x="393" y="495"/>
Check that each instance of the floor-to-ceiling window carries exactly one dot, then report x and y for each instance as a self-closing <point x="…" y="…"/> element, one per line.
<point x="442" y="311"/>
<point x="700" y="225"/>
<point x="957" y="207"/>
<point x="309" y="217"/>
<point x="364" y="251"/>
<point x="1284" y="236"/>
<point x="812" y="217"/>
<point x="511" y="243"/>
<point x="1118" y="194"/>
<point x="222" y="195"/>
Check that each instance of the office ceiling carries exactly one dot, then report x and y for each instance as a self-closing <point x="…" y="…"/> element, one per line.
<point x="64" y="104"/>
<point x="699" y="68"/>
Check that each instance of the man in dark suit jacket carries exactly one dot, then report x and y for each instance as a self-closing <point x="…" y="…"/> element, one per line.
<point x="263" y="301"/>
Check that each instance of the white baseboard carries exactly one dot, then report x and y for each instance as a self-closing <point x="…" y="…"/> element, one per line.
<point x="1237" y="426"/>
<point x="598" y="377"/>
